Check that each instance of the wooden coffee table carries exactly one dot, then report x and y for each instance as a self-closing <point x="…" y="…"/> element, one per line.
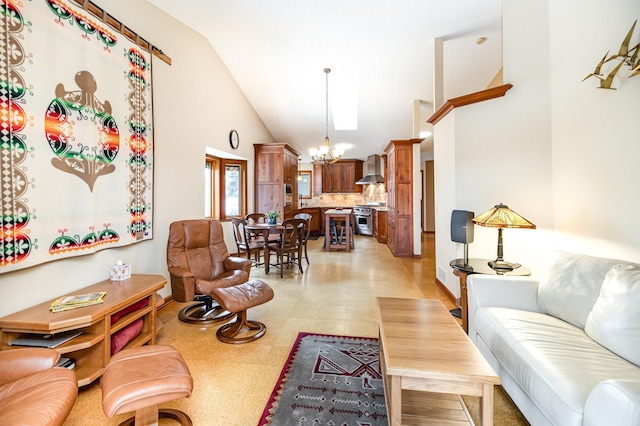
<point x="423" y="348"/>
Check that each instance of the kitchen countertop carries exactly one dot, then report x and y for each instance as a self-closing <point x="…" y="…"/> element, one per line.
<point x="372" y="206"/>
<point x="338" y="211"/>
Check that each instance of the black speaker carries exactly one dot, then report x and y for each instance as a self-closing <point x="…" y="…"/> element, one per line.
<point x="462" y="226"/>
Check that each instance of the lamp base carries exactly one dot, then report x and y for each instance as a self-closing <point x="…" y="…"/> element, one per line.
<point x="500" y="266"/>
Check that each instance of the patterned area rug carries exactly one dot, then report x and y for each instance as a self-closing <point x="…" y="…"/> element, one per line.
<point x="329" y="380"/>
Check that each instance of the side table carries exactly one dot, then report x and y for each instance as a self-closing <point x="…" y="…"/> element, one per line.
<point x="476" y="266"/>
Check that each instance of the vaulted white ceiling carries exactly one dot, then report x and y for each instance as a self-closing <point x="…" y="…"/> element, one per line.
<point x="277" y="49"/>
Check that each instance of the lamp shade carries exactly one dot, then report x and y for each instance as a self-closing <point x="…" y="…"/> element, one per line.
<point x="502" y="216"/>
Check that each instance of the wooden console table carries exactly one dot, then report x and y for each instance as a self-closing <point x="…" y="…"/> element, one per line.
<point x="427" y="361"/>
<point x="92" y="349"/>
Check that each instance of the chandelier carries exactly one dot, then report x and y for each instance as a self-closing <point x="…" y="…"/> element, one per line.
<point x="324" y="155"/>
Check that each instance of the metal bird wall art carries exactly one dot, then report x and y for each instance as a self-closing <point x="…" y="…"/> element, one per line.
<point x="625" y="56"/>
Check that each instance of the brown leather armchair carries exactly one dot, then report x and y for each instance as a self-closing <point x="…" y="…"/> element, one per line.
<point x="33" y="391"/>
<point x="198" y="262"/>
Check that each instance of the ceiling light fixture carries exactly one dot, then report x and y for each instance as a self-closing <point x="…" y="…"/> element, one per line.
<point x="324" y="155"/>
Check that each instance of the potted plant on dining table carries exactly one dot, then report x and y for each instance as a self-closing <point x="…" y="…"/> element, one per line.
<point x="272" y="217"/>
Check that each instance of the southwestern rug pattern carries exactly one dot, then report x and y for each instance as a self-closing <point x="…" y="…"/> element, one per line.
<point x="329" y="380"/>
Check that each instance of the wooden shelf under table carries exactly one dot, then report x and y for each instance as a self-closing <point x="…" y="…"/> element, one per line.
<point x="92" y="349"/>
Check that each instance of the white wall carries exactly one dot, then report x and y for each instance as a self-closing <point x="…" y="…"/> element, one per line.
<point x="445" y="197"/>
<point x="558" y="151"/>
<point x="596" y="146"/>
<point x="196" y="103"/>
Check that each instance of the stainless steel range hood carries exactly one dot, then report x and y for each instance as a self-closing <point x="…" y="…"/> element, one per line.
<point x="374" y="171"/>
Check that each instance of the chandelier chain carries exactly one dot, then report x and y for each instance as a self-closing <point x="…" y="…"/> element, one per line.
<point x="324" y="155"/>
<point x="326" y="102"/>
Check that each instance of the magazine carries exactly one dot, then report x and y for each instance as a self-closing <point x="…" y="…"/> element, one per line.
<point x="78" y="301"/>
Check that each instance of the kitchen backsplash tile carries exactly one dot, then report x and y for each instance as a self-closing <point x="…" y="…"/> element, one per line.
<point x="375" y="193"/>
<point x="371" y="194"/>
<point x="335" y="200"/>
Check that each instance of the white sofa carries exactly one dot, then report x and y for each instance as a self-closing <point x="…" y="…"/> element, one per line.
<point x="566" y="346"/>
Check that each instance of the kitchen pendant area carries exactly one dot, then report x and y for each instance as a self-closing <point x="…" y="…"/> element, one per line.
<point x="380" y="200"/>
<point x="342" y="185"/>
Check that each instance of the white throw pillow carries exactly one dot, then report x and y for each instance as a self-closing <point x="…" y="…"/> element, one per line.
<point x="614" y="321"/>
<point x="570" y="286"/>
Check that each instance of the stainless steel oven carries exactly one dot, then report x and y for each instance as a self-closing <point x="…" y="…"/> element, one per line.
<point x="364" y="220"/>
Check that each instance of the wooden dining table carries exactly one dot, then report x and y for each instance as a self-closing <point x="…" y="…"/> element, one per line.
<point x="266" y="229"/>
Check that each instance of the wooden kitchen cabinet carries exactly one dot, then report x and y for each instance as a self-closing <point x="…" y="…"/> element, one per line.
<point x="380" y="225"/>
<point x="322" y="211"/>
<point x="317" y="179"/>
<point x="341" y="176"/>
<point x="276" y="164"/>
<point x="316" y="218"/>
<point x="291" y="168"/>
<point x="400" y="196"/>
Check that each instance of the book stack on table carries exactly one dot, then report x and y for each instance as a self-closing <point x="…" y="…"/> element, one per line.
<point x="78" y="301"/>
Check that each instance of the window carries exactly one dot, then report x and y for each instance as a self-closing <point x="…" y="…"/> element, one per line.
<point x="225" y="188"/>
<point x="304" y="184"/>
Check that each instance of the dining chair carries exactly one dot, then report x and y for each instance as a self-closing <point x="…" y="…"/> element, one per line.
<point x="307" y="230"/>
<point x="247" y="242"/>
<point x="256" y="218"/>
<point x="252" y="218"/>
<point x="289" y="245"/>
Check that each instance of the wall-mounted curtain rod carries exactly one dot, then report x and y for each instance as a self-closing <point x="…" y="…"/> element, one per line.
<point x="102" y="14"/>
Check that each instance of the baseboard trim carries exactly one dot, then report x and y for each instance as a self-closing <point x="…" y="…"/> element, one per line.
<point x="167" y="299"/>
<point x="446" y="291"/>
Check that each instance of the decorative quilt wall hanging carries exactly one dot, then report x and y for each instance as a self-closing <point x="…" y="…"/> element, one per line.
<point x="76" y="141"/>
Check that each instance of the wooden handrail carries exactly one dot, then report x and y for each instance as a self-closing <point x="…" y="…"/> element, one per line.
<point x="472" y="98"/>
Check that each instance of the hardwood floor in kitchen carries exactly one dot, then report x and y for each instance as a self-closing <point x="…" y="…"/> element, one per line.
<point x="335" y="295"/>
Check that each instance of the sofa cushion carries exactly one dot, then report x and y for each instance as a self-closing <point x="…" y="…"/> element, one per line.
<point x="555" y="363"/>
<point x="614" y="321"/>
<point x="570" y="286"/>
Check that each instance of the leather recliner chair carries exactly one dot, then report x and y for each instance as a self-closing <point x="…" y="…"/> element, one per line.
<point x="199" y="261"/>
<point x="33" y="391"/>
